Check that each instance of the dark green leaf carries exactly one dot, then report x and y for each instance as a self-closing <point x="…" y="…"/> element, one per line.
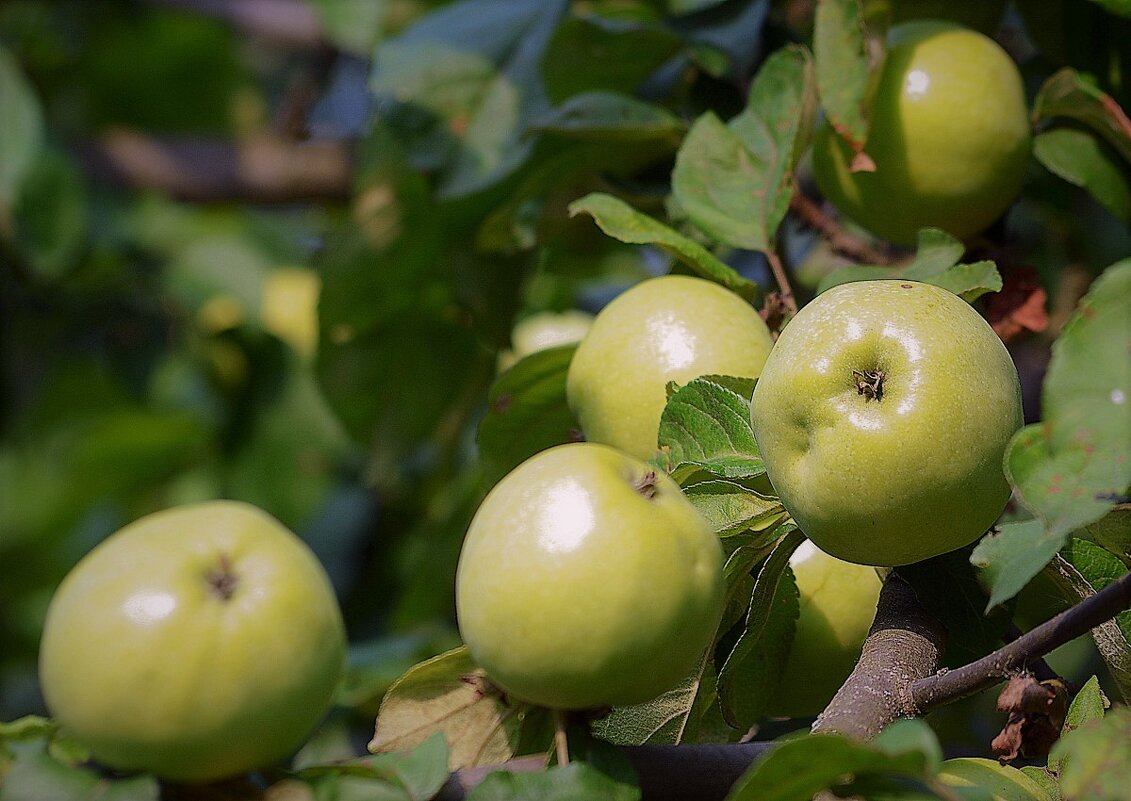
<point x="620" y="221"/>
<point x="1081" y="158"/>
<point x="1010" y="557"/>
<point x="1113" y="530"/>
<point x="608" y="116"/>
<point x="576" y="781"/>
<point x="842" y="68"/>
<point x="708" y="426"/>
<point x="1096" y="759"/>
<point x="662" y="721"/>
<point x="449" y="694"/>
<point x="936" y="262"/>
<point x="948" y="587"/>
<point x="1072" y="468"/>
<point x="350" y="25"/>
<point x="754" y="666"/>
<point x="1069" y="94"/>
<point x="796" y="770"/>
<point x="1089" y="568"/>
<point x="735" y="181"/>
<point x="1121" y="7"/>
<point x="526" y="412"/>
<point x="51" y="218"/>
<point x="726" y="37"/>
<point x="21" y="135"/>
<point x="589" y="54"/>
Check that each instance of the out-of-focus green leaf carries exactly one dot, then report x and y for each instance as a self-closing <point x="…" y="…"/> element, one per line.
<point x="572" y="782"/>
<point x="1069" y="94"/>
<point x="726" y="38"/>
<point x="1088" y="705"/>
<point x="620" y="221"/>
<point x="734" y="181"/>
<point x="754" y="666"/>
<point x="51" y="217"/>
<point x="448" y="694"/>
<point x="1073" y="467"/>
<point x="707" y="426"/>
<point x="375" y="665"/>
<point x="352" y="26"/>
<point x="34" y="775"/>
<point x="592" y="53"/>
<point x="1095" y="759"/>
<point x="1113" y="530"/>
<point x="473" y="68"/>
<point x="842" y="68"/>
<point x="1011" y="556"/>
<point x="1081" y="158"/>
<point x="936" y="262"/>
<point x="610" y="116"/>
<point x="21" y="135"/>
<point x="526" y="412"/>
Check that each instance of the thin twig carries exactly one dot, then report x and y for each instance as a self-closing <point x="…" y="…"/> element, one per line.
<point x="783" y="282"/>
<point x="561" y="738"/>
<point x="933" y="691"/>
<point x="839" y="240"/>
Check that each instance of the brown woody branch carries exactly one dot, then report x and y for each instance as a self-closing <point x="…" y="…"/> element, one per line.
<point x="263" y="168"/>
<point x="839" y="240"/>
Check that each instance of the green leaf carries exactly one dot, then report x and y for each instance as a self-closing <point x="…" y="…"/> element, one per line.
<point x="34" y="775"/>
<point x="608" y="116"/>
<point x="1068" y="94"/>
<point x="731" y="508"/>
<point x="754" y="666"/>
<point x="374" y="665"/>
<point x="911" y="735"/>
<point x="21" y="135"/>
<point x="29" y="727"/>
<point x="1011" y="556"/>
<point x="51" y="219"/>
<point x="1089" y="568"/>
<point x="1045" y="780"/>
<point x="1096" y="759"/>
<point x="350" y="25"/>
<point x="1089" y="705"/>
<point x="948" y="588"/>
<point x="416" y="774"/>
<point x="1113" y="530"/>
<point x="620" y="221"/>
<point x="707" y="426"/>
<point x="577" y="781"/>
<point x="1081" y="158"/>
<point x="1073" y="467"/>
<point x="472" y="68"/>
<point x="842" y="68"/>
<point x="662" y="721"/>
<point x="936" y="262"/>
<point x="449" y="694"/>
<point x="1121" y="7"/>
<point x="735" y="181"/>
<point x="591" y="53"/>
<point x="796" y="770"/>
<point x="527" y="412"/>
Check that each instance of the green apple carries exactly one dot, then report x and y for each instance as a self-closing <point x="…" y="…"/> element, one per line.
<point x="196" y="643"/>
<point x="672" y="328"/>
<point x="949" y="137"/>
<point x="838" y="602"/>
<point x="1003" y="782"/>
<point x="544" y="330"/>
<point x="883" y="415"/>
<point x="588" y="579"/>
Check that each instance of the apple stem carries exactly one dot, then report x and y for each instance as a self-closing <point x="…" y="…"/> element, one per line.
<point x="646" y="486"/>
<point x="222" y="579"/>
<point x="870" y="384"/>
<point x="561" y="740"/>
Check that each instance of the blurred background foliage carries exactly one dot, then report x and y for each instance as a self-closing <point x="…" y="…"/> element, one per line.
<point x="274" y="257"/>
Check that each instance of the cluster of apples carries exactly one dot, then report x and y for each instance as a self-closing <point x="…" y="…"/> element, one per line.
<point x="882" y="413"/>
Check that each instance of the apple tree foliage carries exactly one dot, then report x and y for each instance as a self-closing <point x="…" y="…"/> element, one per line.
<point x="505" y="157"/>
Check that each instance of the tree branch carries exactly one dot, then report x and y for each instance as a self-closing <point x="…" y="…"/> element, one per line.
<point x="839" y="240"/>
<point x="265" y="168"/>
<point x="905" y="644"/>
<point x="933" y="691"/>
